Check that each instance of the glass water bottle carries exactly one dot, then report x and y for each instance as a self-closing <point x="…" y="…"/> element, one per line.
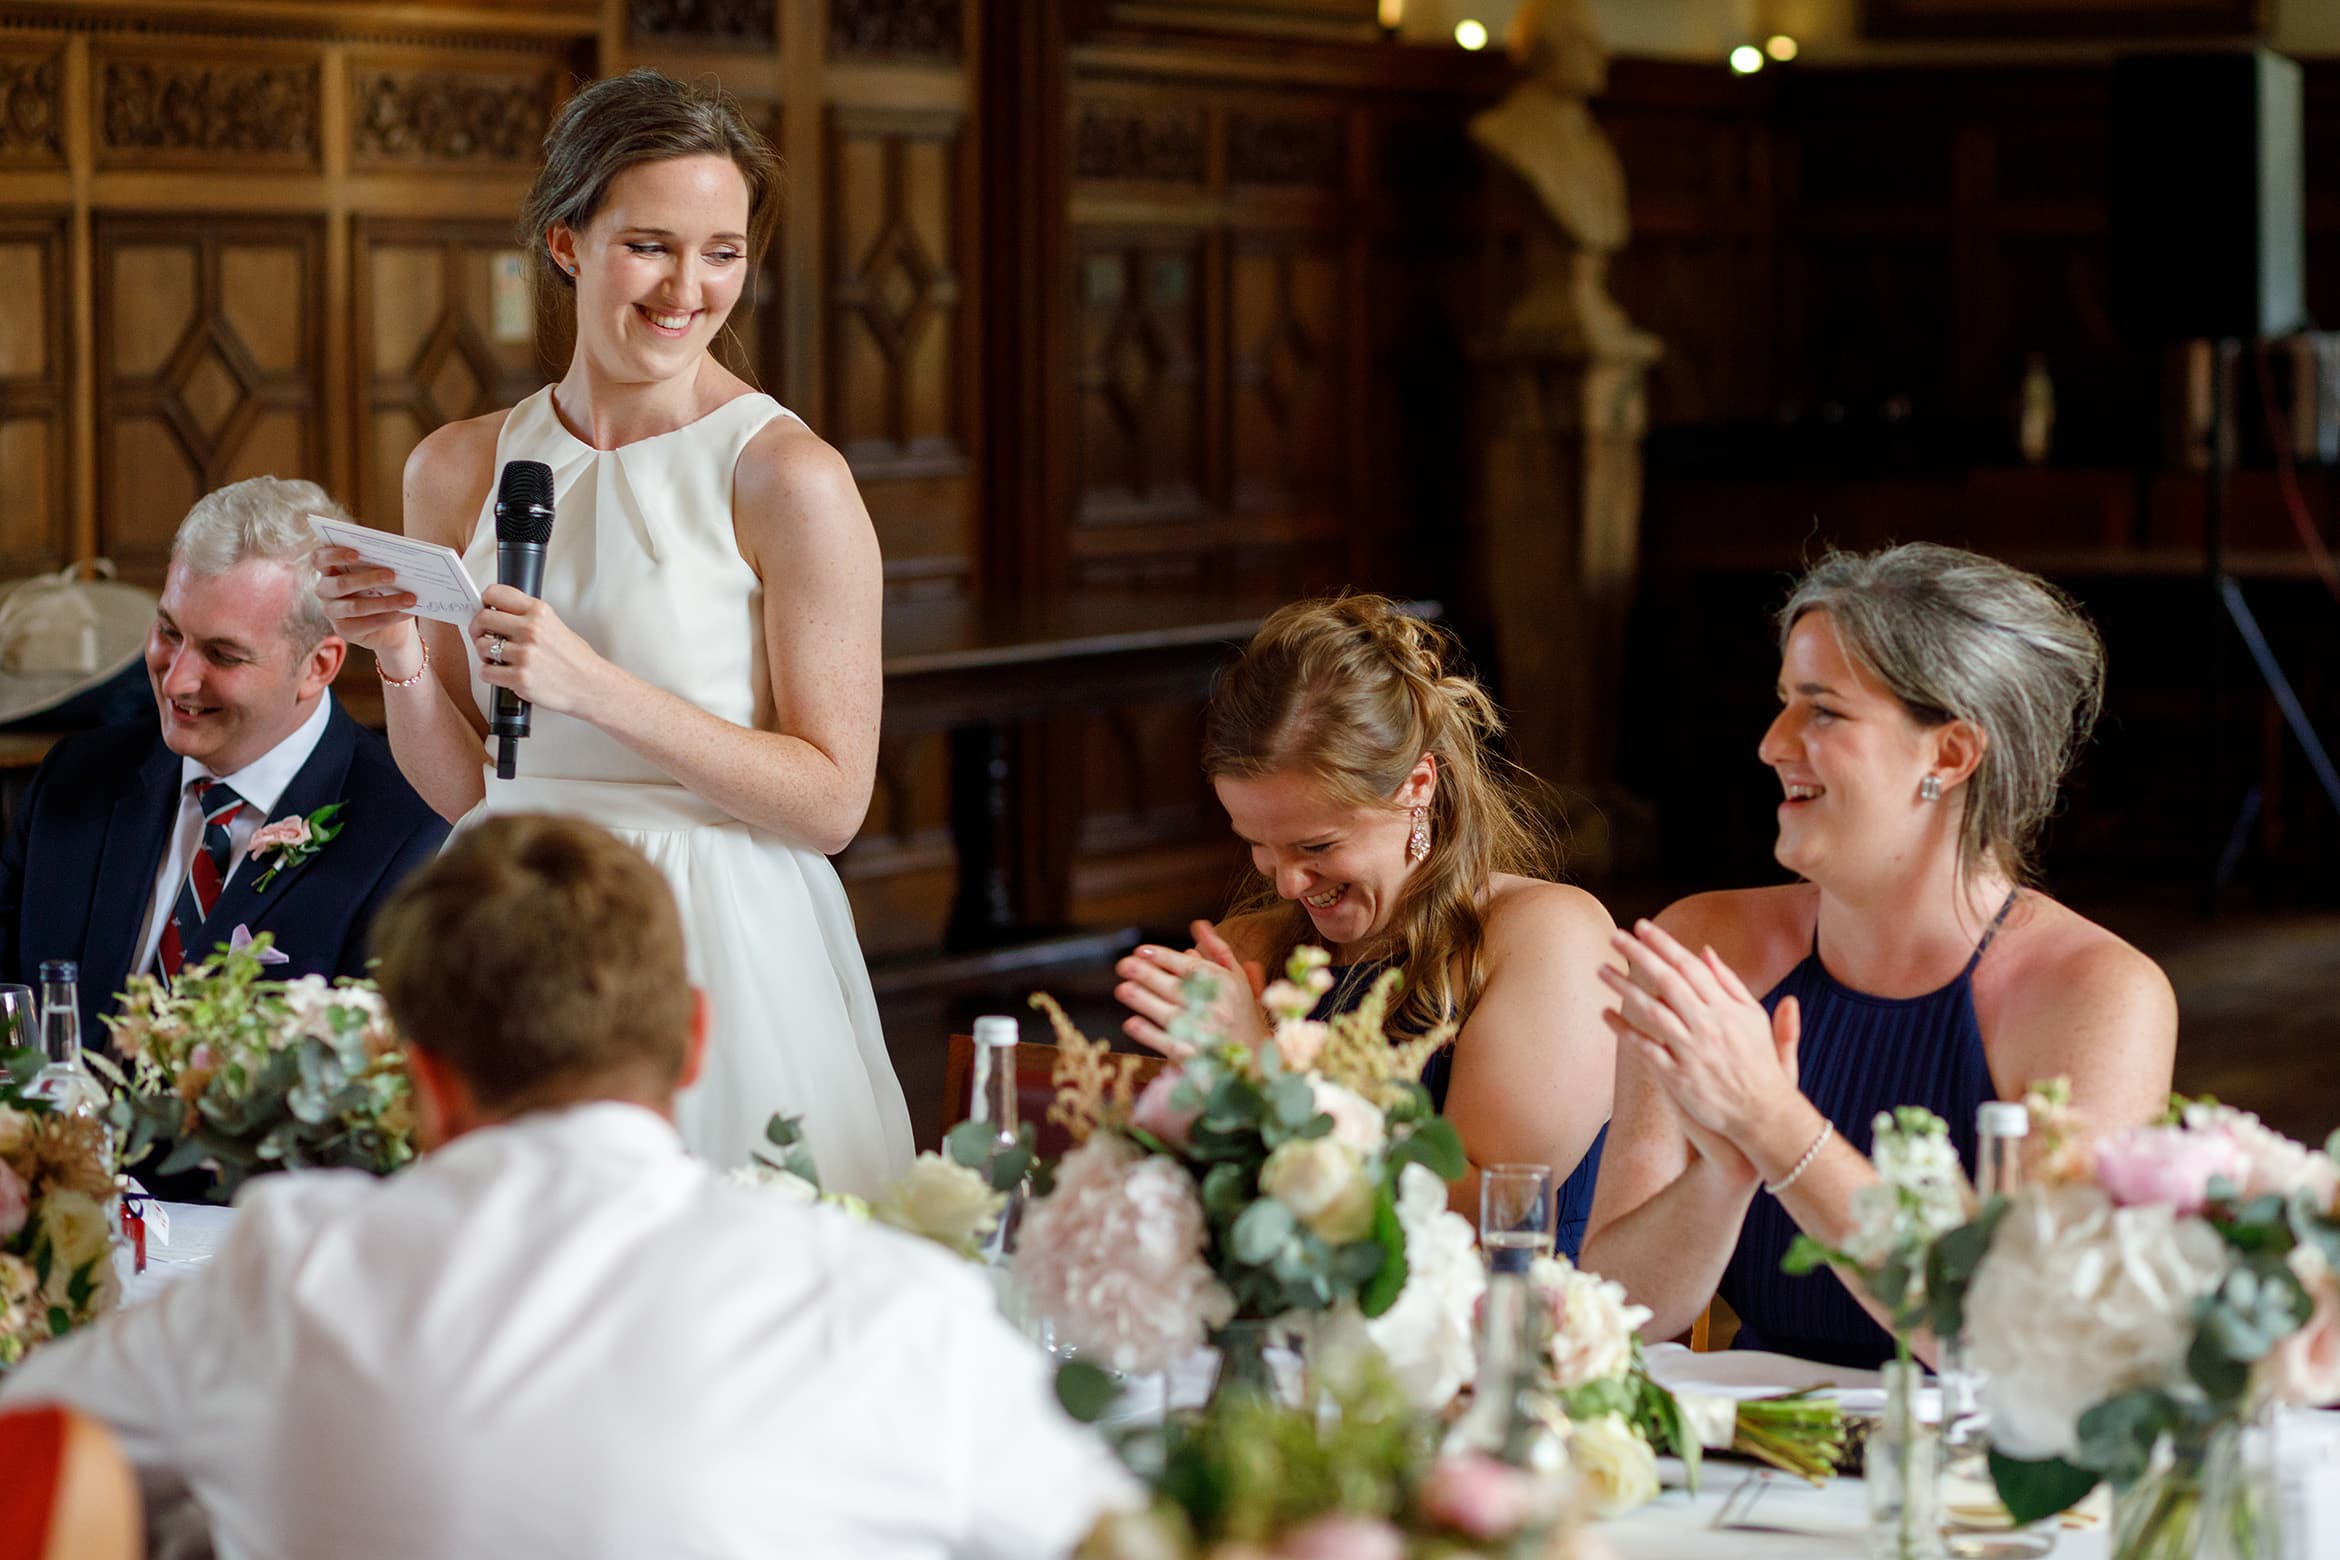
<point x="65" y="1081"/>
<point x="994" y="1104"/>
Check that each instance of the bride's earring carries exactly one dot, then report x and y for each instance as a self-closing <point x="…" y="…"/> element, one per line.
<point x="1418" y="842"/>
<point x="1930" y="789"/>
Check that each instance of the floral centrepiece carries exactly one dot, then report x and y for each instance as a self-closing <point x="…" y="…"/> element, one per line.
<point x="944" y="1200"/>
<point x="56" y="1246"/>
<point x="2135" y="1306"/>
<point x="1299" y="1183"/>
<point x="227" y="1069"/>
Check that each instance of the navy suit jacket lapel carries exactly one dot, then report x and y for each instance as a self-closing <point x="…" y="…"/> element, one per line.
<point x="137" y="833"/>
<point x="318" y="784"/>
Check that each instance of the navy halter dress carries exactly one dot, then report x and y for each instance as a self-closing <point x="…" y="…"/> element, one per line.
<point x="1575" y="1196"/>
<point x="1859" y="1055"/>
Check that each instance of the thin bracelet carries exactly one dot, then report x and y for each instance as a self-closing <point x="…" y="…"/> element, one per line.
<point x="389" y="681"/>
<point x="1803" y="1164"/>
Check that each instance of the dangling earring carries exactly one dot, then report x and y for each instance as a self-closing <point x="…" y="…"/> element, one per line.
<point x="1418" y="842"/>
<point x="1930" y="789"/>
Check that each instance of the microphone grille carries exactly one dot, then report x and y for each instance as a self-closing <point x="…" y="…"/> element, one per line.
<point x="524" y="502"/>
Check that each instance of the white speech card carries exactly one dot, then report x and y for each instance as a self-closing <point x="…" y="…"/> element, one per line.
<point x="442" y="587"/>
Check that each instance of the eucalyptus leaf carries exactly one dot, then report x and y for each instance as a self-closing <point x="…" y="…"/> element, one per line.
<point x="1261" y="1230"/>
<point x="2035" y="1491"/>
<point x="1381" y="1292"/>
<point x="1085" y="1391"/>
<point x="1436" y="1146"/>
<point x="2117" y="1435"/>
<point x="969" y="1143"/>
<point x="1226" y="1190"/>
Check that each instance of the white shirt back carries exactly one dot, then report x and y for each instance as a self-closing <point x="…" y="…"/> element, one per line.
<point x="563" y="1337"/>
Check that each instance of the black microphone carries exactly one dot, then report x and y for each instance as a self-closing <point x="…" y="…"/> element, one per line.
<point x="524" y="520"/>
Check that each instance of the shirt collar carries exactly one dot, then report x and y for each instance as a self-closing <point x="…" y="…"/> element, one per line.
<point x="262" y="782"/>
<point x="613" y="1127"/>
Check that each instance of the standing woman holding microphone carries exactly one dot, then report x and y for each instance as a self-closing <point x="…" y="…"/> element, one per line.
<point x="704" y="659"/>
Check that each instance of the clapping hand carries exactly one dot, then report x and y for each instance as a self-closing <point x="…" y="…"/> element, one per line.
<point x="1703" y="1035"/>
<point x="1151" y="982"/>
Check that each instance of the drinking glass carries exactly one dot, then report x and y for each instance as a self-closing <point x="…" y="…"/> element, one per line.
<point x="20" y="1025"/>
<point x="1515" y="1215"/>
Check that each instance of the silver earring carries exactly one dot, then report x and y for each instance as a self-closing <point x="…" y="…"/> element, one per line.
<point x="1930" y="789"/>
<point x="1418" y="842"/>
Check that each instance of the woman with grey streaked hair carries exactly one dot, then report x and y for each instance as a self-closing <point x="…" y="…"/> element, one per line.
<point x="1931" y="702"/>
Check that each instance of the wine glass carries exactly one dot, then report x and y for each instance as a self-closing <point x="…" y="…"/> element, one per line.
<point x="1515" y="1215"/>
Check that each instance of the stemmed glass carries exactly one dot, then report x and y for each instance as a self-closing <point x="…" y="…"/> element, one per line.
<point x="1515" y="1215"/>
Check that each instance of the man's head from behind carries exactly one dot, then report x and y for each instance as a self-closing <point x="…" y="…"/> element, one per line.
<point x="241" y="650"/>
<point x="537" y="962"/>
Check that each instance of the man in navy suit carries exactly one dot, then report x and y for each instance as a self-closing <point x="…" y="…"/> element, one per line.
<point x="133" y="848"/>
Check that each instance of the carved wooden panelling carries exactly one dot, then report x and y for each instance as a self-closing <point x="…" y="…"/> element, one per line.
<point x="173" y="110"/>
<point x="209" y="366"/>
<point x="440" y="338"/>
<point x="447" y="119"/>
<point x="33" y="399"/>
<point x="730" y="24"/>
<point x="896" y="228"/>
<point x="1141" y="426"/>
<point x="1287" y="149"/>
<point x="32" y="108"/>
<point x="1287" y="370"/>
<point x="1141" y="140"/>
<point x="900" y="869"/>
<point x="905" y="29"/>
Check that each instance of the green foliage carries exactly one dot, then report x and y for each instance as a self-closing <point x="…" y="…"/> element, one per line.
<point x="1950" y="1267"/>
<point x="786" y="1135"/>
<point x="2034" y="1491"/>
<point x="22" y="1065"/>
<point x="976" y="1145"/>
<point x="2117" y="1435"/>
<point x="1085" y="1391"/>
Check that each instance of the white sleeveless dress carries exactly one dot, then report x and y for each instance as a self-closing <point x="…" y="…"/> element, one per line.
<point x="644" y="565"/>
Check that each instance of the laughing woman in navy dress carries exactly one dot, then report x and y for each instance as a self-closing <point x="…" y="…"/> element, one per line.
<point x="1931" y="701"/>
<point x="1355" y="763"/>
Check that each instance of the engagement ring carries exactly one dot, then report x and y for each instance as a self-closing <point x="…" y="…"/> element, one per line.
<point x="495" y="649"/>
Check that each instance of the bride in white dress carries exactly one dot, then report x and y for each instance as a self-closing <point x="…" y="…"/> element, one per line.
<point x="704" y="659"/>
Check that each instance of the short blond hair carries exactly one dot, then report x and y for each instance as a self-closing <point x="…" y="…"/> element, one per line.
<point x="540" y="958"/>
<point x="268" y="518"/>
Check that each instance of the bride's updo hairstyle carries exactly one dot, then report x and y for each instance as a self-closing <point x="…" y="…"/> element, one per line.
<point x="641" y="116"/>
<point x="1957" y="636"/>
<point x="1352" y="692"/>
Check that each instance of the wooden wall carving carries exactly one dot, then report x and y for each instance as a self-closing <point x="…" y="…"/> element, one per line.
<point x="452" y="119"/>
<point x="429" y="339"/>
<point x="1141" y="384"/>
<point x="32" y="110"/>
<point x="164" y="110"/>
<point x="209" y="366"/>
<point x="730" y="24"/>
<point x="1287" y="150"/>
<point x="908" y="29"/>
<point x="1141" y="142"/>
<point x="35" y="526"/>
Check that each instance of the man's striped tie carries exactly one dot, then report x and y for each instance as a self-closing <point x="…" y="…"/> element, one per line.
<point x="199" y="891"/>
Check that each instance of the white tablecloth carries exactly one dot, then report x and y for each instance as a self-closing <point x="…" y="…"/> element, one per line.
<point x="1811" y="1523"/>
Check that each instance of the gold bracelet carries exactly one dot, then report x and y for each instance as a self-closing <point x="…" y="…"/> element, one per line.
<point x="1802" y="1164"/>
<point x="389" y="681"/>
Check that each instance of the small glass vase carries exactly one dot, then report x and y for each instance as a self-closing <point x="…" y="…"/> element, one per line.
<point x="2210" y="1495"/>
<point x="1244" y="1365"/>
<point x="1903" y="1474"/>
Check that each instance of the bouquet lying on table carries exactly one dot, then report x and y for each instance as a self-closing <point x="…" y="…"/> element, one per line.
<point x="1595" y="1386"/>
<point x="1299" y="1184"/>
<point x="56" y="1268"/>
<point x="954" y="1202"/>
<point x="228" y="1070"/>
<point x="2135" y="1305"/>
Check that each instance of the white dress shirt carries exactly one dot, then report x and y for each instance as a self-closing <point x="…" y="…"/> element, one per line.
<point x="562" y="1337"/>
<point x="261" y="784"/>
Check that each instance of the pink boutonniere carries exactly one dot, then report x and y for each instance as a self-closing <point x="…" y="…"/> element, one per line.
<point x="293" y="840"/>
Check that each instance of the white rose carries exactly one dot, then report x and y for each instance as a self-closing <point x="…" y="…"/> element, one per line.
<point x="75" y="1226"/>
<point x="1356" y="1124"/>
<point x="1613" y="1463"/>
<point x="1324" y="1186"/>
<point x="2078" y="1300"/>
<point x="946" y="1202"/>
<point x="1592" y="1324"/>
<point x="1429" y="1335"/>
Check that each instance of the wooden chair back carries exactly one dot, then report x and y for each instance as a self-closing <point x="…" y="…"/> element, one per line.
<point x="1716" y="1326"/>
<point x="1035" y="1088"/>
<point x="69" y="1493"/>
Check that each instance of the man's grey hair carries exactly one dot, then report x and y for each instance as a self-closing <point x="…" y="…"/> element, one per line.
<point x="262" y="517"/>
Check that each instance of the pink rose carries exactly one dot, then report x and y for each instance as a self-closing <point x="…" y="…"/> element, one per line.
<point x="1156" y="1113"/>
<point x="2305" y="1367"/>
<point x="1343" y="1538"/>
<point x="283" y="834"/>
<point x="15" y="1202"/>
<point x="1476" y="1495"/>
<point x="2168" y="1167"/>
